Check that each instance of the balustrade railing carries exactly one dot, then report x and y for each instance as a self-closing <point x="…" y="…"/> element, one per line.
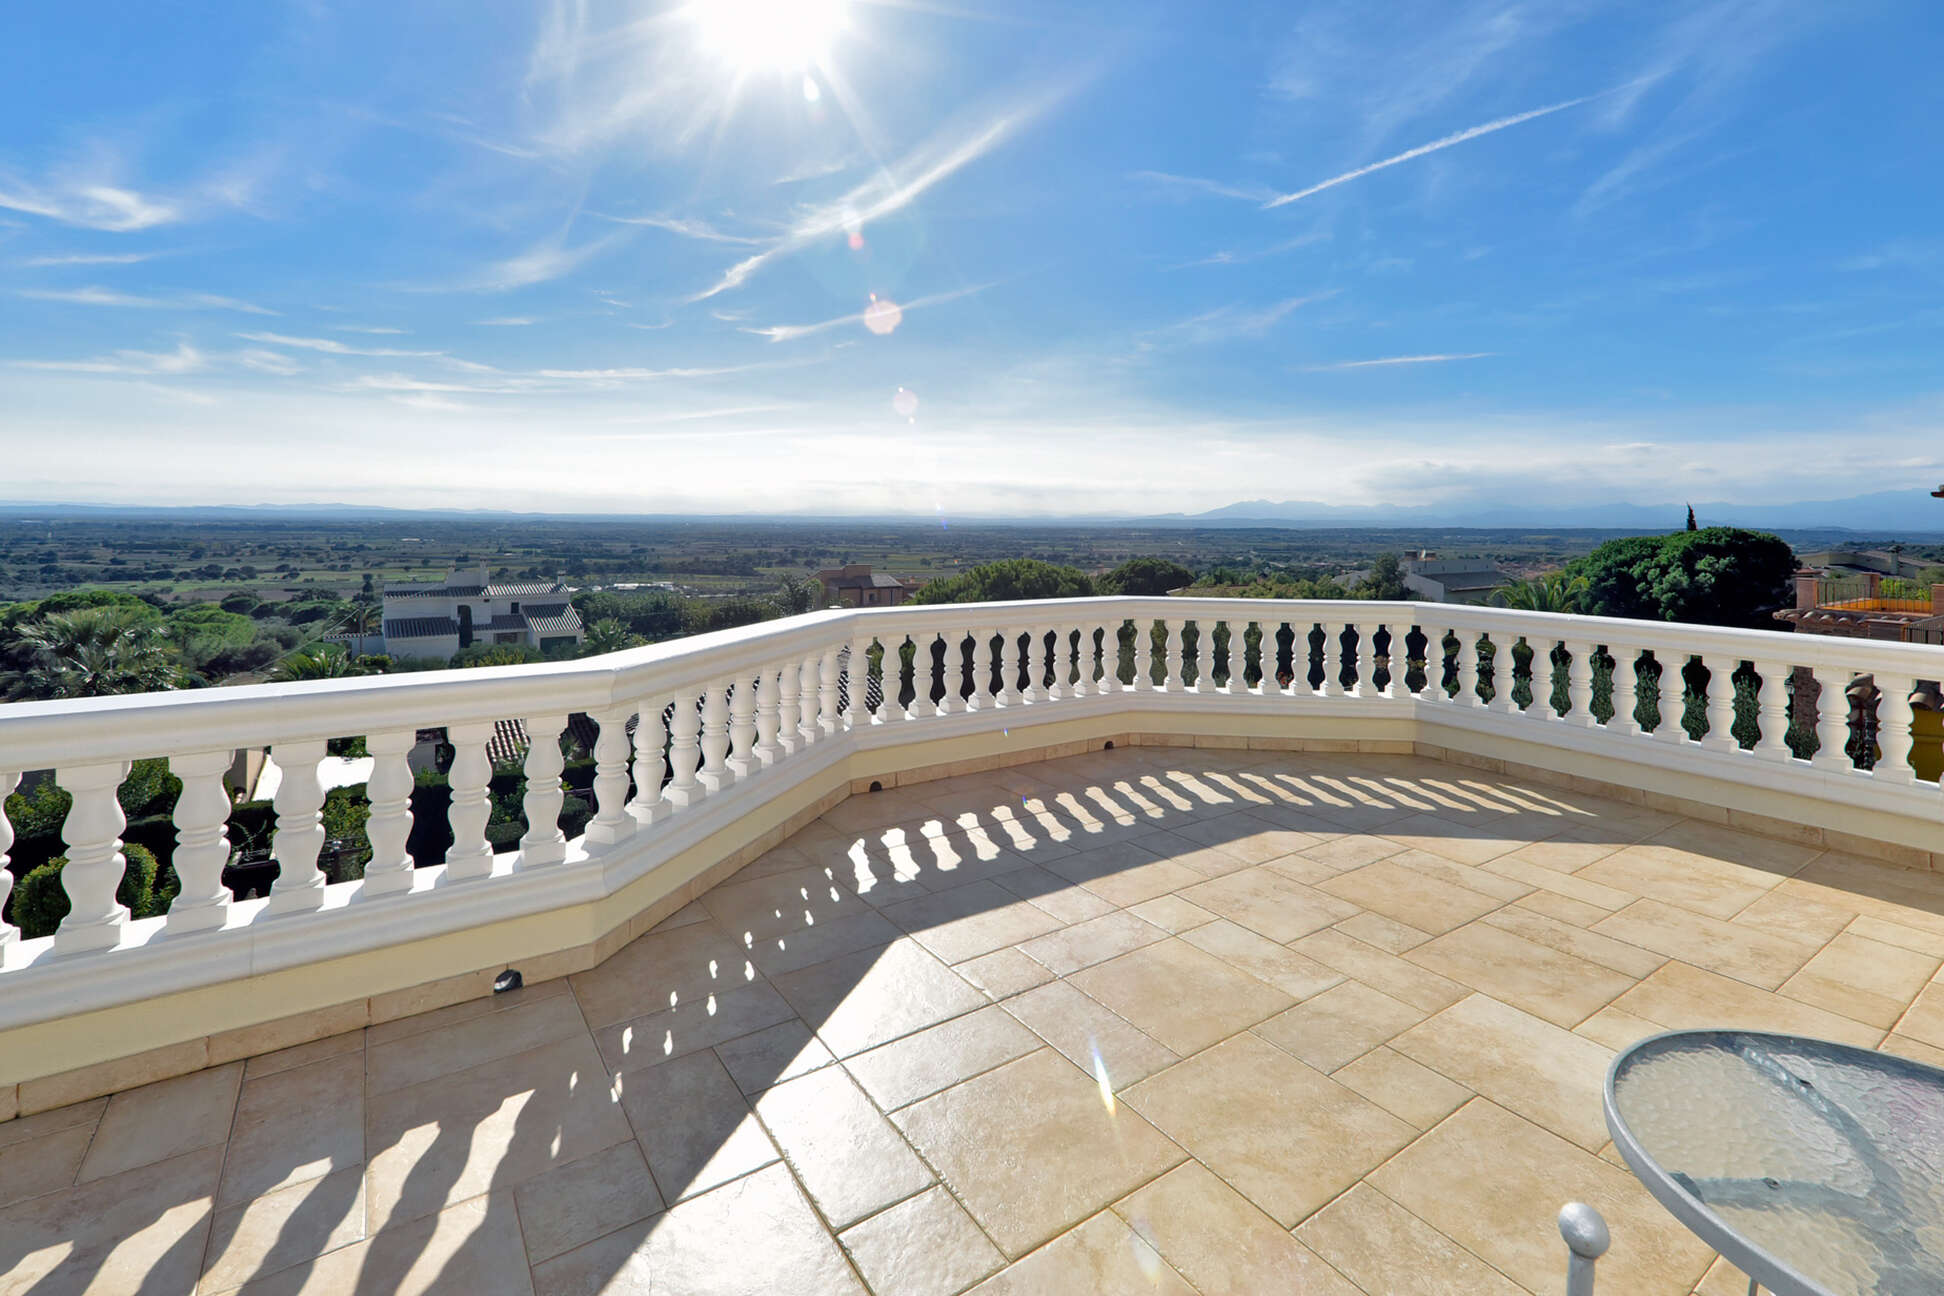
<point x="737" y="716"/>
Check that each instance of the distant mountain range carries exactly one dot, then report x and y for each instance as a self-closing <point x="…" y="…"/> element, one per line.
<point x="1881" y="511"/>
<point x="1900" y="512"/>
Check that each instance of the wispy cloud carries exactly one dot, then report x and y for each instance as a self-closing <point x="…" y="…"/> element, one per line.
<point x="687" y="227"/>
<point x="1244" y="257"/>
<point x="99" y="296"/>
<point x="1196" y="184"/>
<point x="1226" y="322"/>
<point x="89" y="205"/>
<point x="184" y="359"/>
<point x="1456" y="137"/>
<point x="790" y="332"/>
<point x="548" y="259"/>
<point x="374" y="329"/>
<point x="507" y="321"/>
<point x="88" y="258"/>
<point x="895" y="186"/>
<point x="329" y="346"/>
<point x="1384" y="361"/>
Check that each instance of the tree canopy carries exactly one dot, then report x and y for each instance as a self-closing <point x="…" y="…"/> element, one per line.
<point x="1713" y="576"/>
<point x="1147" y="575"/>
<point x="1011" y="580"/>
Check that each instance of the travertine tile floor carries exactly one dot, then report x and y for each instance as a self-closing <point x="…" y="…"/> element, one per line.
<point x="1140" y="1021"/>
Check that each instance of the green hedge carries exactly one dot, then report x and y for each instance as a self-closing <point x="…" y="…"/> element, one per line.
<point x="39" y="903"/>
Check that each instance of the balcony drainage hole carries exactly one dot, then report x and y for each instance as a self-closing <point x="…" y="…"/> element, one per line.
<point x="1108" y="746"/>
<point x="876" y="786"/>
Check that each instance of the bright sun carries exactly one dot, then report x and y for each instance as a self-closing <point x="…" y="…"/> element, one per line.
<point x="769" y="35"/>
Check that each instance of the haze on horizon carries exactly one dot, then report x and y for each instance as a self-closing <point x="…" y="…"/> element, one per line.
<point x="861" y="257"/>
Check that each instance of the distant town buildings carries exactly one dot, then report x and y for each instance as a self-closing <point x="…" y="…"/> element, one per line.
<point x="1856" y="603"/>
<point x="424" y="620"/>
<point x="1452" y="580"/>
<point x="856" y="585"/>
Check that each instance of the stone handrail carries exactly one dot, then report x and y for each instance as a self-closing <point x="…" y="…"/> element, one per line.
<point x="695" y="733"/>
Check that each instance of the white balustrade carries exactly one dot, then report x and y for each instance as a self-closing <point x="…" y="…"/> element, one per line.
<point x="1398" y="662"/>
<point x="1579" y="684"/>
<point x="1468" y="670"/>
<point x="1626" y="685"/>
<point x="9" y="780"/>
<point x="1270" y="685"/>
<point x="1772" y="708"/>
<point x="92" y="832"/>
<point x="951" y="666"/>
<point x="714" y="774"/>
<point x="1143" y="654"/>
<point x="789" y="708"/>
<point x="1832" y="720"/>
<point x="1672" y="689"/>
<point x="769" y="703"/>
<point x="1172" y="680"/>
<point x="829" y="686"/>
<point x="1033" y="658"/>
<point x="650" y="765"/>
<point x="1367" y="660"/>
<point x="809" y="693"/>
<point x="857" y="685"/>
<point x="891" y="687"/>
<point x="612" y="824"/>
<point x="1895" y="716"/>
<point x="926" y="669"/>
<point x="1721" y="703"/>
<point x="202" y="844"/>
<point x="299" y="803"/>
<point x="389" y="825"/>
<point x="742" y="722"/>
<point x="543" y="842"/>
<point x="982" y="698"/>
<point x="470" y="855"/>
<point x="685" y="751"/>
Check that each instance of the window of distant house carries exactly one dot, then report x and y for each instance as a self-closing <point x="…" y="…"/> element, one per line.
<point x="516" y="606"/>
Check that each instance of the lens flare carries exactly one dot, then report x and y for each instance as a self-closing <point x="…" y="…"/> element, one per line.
<point x="883" y="315"/>
<point x="905" y="401"/>
<point x="1100" y="1078"/>
<point x="773" y="35"/>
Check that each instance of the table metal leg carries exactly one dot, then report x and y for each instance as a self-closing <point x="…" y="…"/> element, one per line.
<point x="1586" y="1241"/>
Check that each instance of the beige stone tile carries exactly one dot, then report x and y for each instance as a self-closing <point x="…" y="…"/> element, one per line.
<point x="30" y="1167"/>
<point x="1466" y="839"/>
<point x="1004" y="973"/>
<point x="293" y="1126"/>
<point x="1124" y="873"/>
<point x="1550" y="1076"/>
<point x="772" y="1055"/>
<point x="1420" y="987"/>
<point x="1385" y="933"/>
<point x="1924" y="1019"/>
<point x="298" y="1055"/>
<point x="1868" y="886"/>
<point x="847" y="1156"/>
<point x="1270" y="903"/>
<point x="1484" y="881"/>
<point x="427" y="1055"/>
<point x="1718" y="888"/>
<point x="699" y="1021"/>
<point x="1180" y="995"/>
<point x="1091" y="1037"/>
<point x="1172" y="914"/>
<point x="1560" y="885"/>
<point x="9" y="1101"/>
<point x="1568" y="938"/>
<point x="784" y="902"/>
<point x="288" y="1226"/>
<point x="1091" y="942"/>
<point x="1914" y="1049"/>
<point x="775" y="955"/>
<point x="1102" y="1257"/>
<point x="67" y="1088"/>
<point x="1384" y="1248"/>
<point x="1722" y="1279"/>
<point x="1215" y="1239"/>
<point x="143" y="1230"/>
<point x="579" y="1201"/>
<point x="1681" y="997"/>
<point x="1401" y="1087"/>
<point x="1862" y="978"/>
<point x="1506" y="1216"/>
<point x="1692" y="839"/>
<point x="1895" y="933"/>
<point x="1283" y="1134"/>
<point x="1339" y="1025"/>
<point x="647" y="973"/>
<point x="1559" y="987"/>
<point x="1031" y="1148"/>
<point x="495" y="1126"/>
<point x="1263" y="959"/>
<point x="1353" y="850"/>
<point x="1064" y="900"/>
<point x="1561" y="908"/>
<point x="473" y="1247"/>
<point x="1796" y="917"/>
<point x="1557" y="855"/>
<point x="693" y="1123"/>
<point x="1745" y="953"/>
<point x="1246" y="837"/>
<point x="754" y="1235"/>
<point x="1616" y="1028"/>
<point x="453" y="1000"/>
<point x="926" y="1246"/>
<point x="1409" y="896"/>
<point x="971" y="920"/>
<point x="39" y="1125"/>
<point x="163" y="1120"/>
<point x="780" y="860"/>
<point x="862" y="1000"/>
<point x="927" y="1061"/>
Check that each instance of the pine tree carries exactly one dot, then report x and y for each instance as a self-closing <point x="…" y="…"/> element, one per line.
<point x="1692" y="525"/>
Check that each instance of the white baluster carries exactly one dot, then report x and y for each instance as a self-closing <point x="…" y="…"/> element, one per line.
<point x="809" y="728"/>
<point x="789" y="712"/>
<point x="470" y="855"/>
<point x="925" y="673"/>
<point x="1079" y="641"/>
<point x="95" y="864"/>
<point x="1172" y="678"/>
<point x="1269" y="685"/>
<point x="742" y="723"/>
<point x="389" y="826"/>
<point x="1579" y="686"/>
<point x="1032" y="659"/>
<point x="1398" y="663"/>
<point x="1009" y="667"/>
<point x="1367" y="659"/>
<point x="1832" y="720"/>
<point x="1772" y="704"/>
<point x="1894" y="718"/>
<point x="1109" y="681"/>
<point x="829" y="675"/>
<point x="982" y="698"/>
<point x="891" y="683"/>
<point x="1468" y="669"/>
<point x="612" y="824"/>
<point x="714" y="774"/>
<point x="1721" y="703"/>
<point x="1056" y="665"/>
<point x="1143" y="655"/>
<point x="9" y="780"/>
<point x="769" y="702"/>
<point x="1505" y="675"/>
<point x="650" y="740"/>
<point x="543" y="842"/>
<point x="857" y="685"/>
<point x="202" y="845"/>
<point x="1625" y="690"/>
<point x="685" y="750"/>
<point x="300" y="828"/>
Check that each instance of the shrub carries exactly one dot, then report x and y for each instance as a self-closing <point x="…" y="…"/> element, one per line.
<point x="39" y="902"/>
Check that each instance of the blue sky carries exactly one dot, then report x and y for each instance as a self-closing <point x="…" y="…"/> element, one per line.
<point x="1018" y="257"/>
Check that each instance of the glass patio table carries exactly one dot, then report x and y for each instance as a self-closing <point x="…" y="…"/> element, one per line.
<point x="1815" y="1168"/>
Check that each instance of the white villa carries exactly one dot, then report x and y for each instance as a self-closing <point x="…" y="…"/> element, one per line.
<point x="465" y="609"/>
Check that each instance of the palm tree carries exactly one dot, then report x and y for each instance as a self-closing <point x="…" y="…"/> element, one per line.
<point x="93" y="652"/>
<point x="319" y="661"/>
<point x="1552" y="592"/>
<point x="608" y="636"/>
